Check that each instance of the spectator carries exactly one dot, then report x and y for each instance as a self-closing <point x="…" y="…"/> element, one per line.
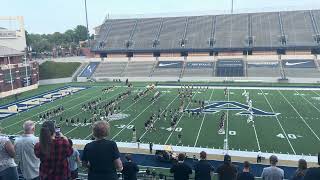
<point x="313" y="173"/>
<point x="74" y="160"/>
<point x="245" y="174"/>
<point x="150" y="147"/>
<point x="101" y="156"/>
<point x="301" y="171"/>
<point x="181" y="170"/>
<point x="130" y="169"/>
<point x="8" y="168"/>
<point x="53" y="151"/>
<point x="28" y="163"/>
<point x="203" y="169"/>
<point x="272" y="172"/>
<point x="227" y="171"/>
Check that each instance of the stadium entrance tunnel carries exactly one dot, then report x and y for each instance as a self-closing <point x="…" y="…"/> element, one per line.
<point x="230" y="68"/>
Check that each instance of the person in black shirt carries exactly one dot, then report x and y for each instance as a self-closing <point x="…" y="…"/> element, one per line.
<point x="313" y="173"/>
<point x="130" y="169"/>
<point x="181" y="170"/>
<point x="227" y="171"/>
<point x="203" y="169"/>
<point x="101" y="156"/>
<point x="245" y="174"/>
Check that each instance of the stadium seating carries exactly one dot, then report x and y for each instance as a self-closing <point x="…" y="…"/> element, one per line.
<point x="199" y="37"/>
<point x="168" y="69"/>
<point x="139" y="68"/>
<point x="110" y="69"/>
<point x="263" y="69"/>
<point x="198" y="69"/>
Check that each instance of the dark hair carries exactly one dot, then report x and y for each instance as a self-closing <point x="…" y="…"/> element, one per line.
<point x="246" y="164"/>
<point x="203" y="155"/>
<point x="181" y="157"/>
<point x="46" y="131"/>
<point x="70" y="142"/>
<point x="319" y="158"/>
<point x="273" y="160"/>
<point x="128" y="157"/>
<point x="227" y="159"/>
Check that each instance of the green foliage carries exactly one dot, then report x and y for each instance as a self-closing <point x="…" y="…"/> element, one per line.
<point x="46" y="42"/>
<point x="53" y="70"/>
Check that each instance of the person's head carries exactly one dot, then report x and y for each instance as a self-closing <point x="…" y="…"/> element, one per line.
<point x="100" y="129"/>
<point x="181" y="157"/>
<point x="47" y="132"/>
<point x="246" y="166"/>
<point x="203" y="155"/>
<point x="302" y="164"/>
<point x="128" y="157"/>
<point x="318" y="158"/>
<point x="70" y="142"/>
<point x="273" y="160"/>
<point x="227" y="159"/>
<point x="29" y="127"/>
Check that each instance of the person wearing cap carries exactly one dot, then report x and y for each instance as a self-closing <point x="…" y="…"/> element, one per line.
<point x="313" y="173"/>
<point x="203" y="170"/>
<point x="272" y="172"/>
<point x="181" y="170"/>
<point x="227" y="171"/>
<point x="245" y="174"/>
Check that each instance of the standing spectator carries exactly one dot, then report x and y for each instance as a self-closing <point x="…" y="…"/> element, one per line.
<point x="74" y="160"/>
<point x="101" y="156"/>
<point x="301" y="171"/>
<point x="313" y="173"/>
<point x="227" y="171"/>
<point x="203" y="170"/>
<point x="181" y="170"/>
<point x="53" y="151"/>
<point x="272" y="172"/>
<point x="8" y="168"/>
<point x="130" y="169"/>
<point x="28" y="163"/>
<point x="150" y="147"/>
<point x="245" y="174"/>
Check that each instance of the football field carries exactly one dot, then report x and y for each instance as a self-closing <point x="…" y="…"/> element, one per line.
<point x="285" y="120"/>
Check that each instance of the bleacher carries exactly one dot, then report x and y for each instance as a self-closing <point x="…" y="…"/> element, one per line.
<point x="301" y="68"/>
<point x="198" y="69"/>
<point x="110" y="69"/>
<point x="263" y="69"/>
<point x="168" y="69"/>
<point x="139" y="69"/>
<point x="267" y="30"/>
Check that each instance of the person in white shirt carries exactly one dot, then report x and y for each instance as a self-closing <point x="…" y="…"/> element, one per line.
<point x="272" y="172"/>
<point x="27" y="161"/>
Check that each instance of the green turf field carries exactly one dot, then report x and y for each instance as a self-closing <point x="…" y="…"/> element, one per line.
<point x="295" y="130"/>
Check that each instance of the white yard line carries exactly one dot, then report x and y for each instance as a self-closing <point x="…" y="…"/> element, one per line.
<point x="121" y="111"/>
<point x="204" y="116"/>
<point x="303" y="120"/>
<point x="160" y="115"/>
<point x="315" y="92"/>
<point x="310" y="103"/>
<point x="284" y="132"/>
<point x="178" y="121"/>
<point x="133" y="120"/>
<point x="46" y="110"/>
<point x="256" y="135"/>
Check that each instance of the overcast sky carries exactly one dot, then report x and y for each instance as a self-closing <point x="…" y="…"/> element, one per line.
<point x="47" y="16"/>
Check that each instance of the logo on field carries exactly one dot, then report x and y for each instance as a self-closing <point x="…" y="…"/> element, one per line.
<point x="214" y="107"/>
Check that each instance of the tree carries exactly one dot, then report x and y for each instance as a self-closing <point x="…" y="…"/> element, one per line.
<point x="81" y="33"/>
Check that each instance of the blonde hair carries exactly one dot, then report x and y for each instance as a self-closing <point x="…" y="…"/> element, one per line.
<point x="101" y="129"/>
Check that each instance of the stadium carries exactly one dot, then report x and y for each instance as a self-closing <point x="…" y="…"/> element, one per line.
<point x="246" y="85"/>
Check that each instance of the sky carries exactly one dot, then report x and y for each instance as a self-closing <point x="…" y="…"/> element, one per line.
<point x="48" y="16"/>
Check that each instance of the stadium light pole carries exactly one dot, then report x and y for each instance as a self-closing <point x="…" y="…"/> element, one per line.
<point x="88" y="36"/>
<point x="232" y="6"/>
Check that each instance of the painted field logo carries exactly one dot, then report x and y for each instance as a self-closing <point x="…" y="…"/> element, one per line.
<point x="214" y="107"/>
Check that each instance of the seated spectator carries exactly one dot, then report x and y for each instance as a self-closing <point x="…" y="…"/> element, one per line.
<point x="8" y="168"/>
<point x="301" y="171"/>
<point x="74" y="160"/>
<point x="272" y="172"/>
<point x="227" y="171"/>
<point x="28" y="163"/>
<point x="245" y="174"/>
<point x="53" y="151"/>
<point x="203" y="169"/>
<point x="181" y="170"/>
<point x="130" y="169"/>
<point x="101" y="156"/>
<point x="313" y="173"/>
